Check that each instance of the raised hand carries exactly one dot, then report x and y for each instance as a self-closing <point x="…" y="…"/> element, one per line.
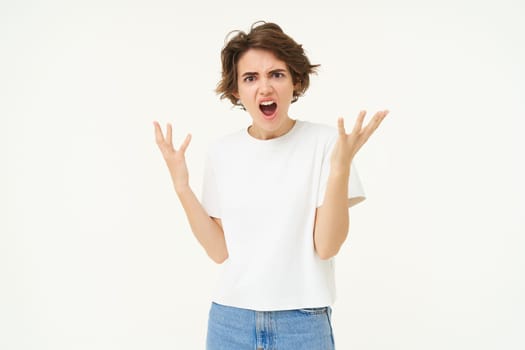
<point x="175" y="159"/>
<point x="348" y="145"/>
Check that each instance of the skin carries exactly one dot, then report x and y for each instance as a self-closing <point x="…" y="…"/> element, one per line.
<point x="332" y="218"/>
<point x="206" y="229"/>
<point x="263" y="76"/>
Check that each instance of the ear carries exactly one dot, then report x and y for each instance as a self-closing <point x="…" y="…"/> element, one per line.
<point x="236" y="95"/>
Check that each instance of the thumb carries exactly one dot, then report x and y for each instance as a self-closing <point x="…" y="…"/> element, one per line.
<point x="341" y="127"/>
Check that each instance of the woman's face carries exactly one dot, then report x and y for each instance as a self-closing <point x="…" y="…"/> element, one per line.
<point x="265" y="89"/>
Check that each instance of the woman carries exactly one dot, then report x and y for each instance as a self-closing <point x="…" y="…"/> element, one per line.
<point x="275" y="200"/>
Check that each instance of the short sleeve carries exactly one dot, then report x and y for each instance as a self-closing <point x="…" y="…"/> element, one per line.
<point x="356" y="192"/>
<point x="210" y="191"/>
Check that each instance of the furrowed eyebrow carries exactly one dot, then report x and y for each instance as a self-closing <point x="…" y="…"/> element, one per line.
<point x="278" y="70"/>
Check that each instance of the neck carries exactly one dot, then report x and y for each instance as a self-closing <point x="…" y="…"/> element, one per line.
<point x="260" y="134"/>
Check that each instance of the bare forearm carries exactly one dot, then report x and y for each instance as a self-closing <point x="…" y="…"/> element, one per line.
<point x="332" y="219"/>
<point x="208" y="232"/>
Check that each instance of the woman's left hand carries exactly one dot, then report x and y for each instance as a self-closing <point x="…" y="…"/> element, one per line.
<point x="347" y="145"/>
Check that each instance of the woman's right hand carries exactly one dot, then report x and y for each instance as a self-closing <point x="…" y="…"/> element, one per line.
<point x="175" y="159"/>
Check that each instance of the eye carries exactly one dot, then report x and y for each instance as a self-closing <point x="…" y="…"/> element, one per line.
<point x="278" y="74"/>
<point x="249" y="78"/>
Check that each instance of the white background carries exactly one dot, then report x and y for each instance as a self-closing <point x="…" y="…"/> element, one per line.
<point x="95" y="250"/>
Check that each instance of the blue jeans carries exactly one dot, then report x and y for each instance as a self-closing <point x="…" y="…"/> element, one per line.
<point x="231" y="328"/>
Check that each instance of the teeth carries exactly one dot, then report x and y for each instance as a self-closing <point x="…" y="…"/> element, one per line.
<point x="267" y="103"/>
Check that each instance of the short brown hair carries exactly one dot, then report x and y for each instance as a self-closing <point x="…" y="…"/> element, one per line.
<point x="270" y="37"/>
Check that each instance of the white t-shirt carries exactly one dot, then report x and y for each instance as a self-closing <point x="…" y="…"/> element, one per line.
<point x="266" y="193"/>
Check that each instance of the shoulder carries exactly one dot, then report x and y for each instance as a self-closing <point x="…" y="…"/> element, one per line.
<point x="322" y="133"/>
<point x="318" y="128"/>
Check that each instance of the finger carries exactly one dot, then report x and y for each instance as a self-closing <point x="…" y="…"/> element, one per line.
<point x="359" y="122"/>
<point x="383" y="115"/>
<point x="185" y="143"/>
<point x="341" y="126"/>
<point x="374" y="123"/>
<point x="379" y="118"/>
<point x="376" y="120"/>
<point x="159" y="138"/>
<point x="168" y="135"/>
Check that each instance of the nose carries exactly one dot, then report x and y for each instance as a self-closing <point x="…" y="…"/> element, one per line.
<point x="265" y="86"/>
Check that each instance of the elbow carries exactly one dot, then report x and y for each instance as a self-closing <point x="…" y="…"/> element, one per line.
<point x="219" y="259"/>
<point x="328" y="239"/>
<point x="326" y="254"/>
<point x="326" y="251"/>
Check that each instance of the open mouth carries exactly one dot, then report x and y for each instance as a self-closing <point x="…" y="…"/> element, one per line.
<point x="268" y="108"/>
